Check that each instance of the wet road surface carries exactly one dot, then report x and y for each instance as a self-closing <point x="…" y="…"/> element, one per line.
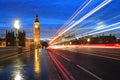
<point x="61" y="64"/>
<point x="81" y="65"/>
<point x="23" y="66"/>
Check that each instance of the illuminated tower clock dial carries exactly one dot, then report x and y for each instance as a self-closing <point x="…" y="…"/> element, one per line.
<point x="36" y="26"/>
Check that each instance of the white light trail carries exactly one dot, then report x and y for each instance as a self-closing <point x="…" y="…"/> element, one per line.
<point x="85" y="4"/>
<point x="59" y="34"/>
<point x="102" y="28"/>
<point x="87" y="15"/>
<point x="101" y="31"/>
<point x="100" y="25"/>
<point x="108" y="28"/>
<point x="74" y="15"/>
<point x="68" y="26"/>
<point x="84" y="17"/>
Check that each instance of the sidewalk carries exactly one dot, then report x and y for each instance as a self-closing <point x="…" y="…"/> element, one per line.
<point x="49" y="70"/>
<point x="9" y="52"/>
<point x="6" y="52"/>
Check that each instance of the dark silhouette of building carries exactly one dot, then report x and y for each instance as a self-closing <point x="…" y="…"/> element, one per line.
<point x="118" y="40"/>
<point x="44" y="44"/>
<point x="103" y="39"/>
<point x="21" y="37"/>
<point x="11" y="39"/>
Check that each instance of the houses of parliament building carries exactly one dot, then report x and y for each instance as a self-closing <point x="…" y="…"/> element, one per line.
<point x="9" y="39"/>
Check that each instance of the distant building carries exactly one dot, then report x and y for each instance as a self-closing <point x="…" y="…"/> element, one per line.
<point x="29" y="42"/>
<point x="44" y="44"/>
<point x="118" y="41"/>
<point x="2" y="42"/>
<point x="103" y="39"/>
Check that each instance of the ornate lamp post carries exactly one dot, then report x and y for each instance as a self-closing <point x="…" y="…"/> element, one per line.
<point x="17" y="26"/>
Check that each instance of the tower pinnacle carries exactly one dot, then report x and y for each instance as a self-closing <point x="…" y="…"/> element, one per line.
<point x="36" y="19"/>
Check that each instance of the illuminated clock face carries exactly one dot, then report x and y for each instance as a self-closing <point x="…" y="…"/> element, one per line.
<point x="36" y="26"/>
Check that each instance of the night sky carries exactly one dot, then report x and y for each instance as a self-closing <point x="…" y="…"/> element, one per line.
<point x="52" y="14"/>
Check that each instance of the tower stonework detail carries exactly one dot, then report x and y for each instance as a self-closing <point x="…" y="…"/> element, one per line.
<point x="36" y="31"/>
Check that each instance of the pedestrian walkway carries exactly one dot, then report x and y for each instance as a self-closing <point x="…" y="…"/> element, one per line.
<point x="44" y="65"/>
<point x="49" y="70"/>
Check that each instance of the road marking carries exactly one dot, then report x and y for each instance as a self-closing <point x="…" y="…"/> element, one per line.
<point x="66" y="58"/>
<point x="89" y="72"/>
<point x="118" y="59"/>
<point x="102" y="56"/>
<point x="7" y="49"/>
<point x="12" y="56"/>
<point x="6" y="56"/>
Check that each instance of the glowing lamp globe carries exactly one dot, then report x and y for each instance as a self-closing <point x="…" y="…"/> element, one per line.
<point x="16" y="24"/>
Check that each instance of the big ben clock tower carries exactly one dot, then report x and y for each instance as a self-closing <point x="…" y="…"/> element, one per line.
<point x="36" y="31"/>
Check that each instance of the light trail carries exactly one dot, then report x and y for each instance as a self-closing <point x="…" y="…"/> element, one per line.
<point x="117" y="46"/>
<point x="93" y="33"/>
<point x="98" y="29"/>
<point x="68" y="26"/>
<point x="74" y="15"/>
<point x="106" y="30"/>
<point x="97" y="32"/>
<point x="95" y="22"/>
<point x="90" y="34"/>
<point x="83" y="18"/>
<point x="87" y="15"/>
<point x="84" y="5"/>
<point x="102" y="28"/>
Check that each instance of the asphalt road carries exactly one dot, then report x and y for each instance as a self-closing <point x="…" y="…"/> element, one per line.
<point x="87" y="64"/>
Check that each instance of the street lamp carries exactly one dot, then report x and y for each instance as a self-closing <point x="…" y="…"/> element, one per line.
<point x="88" y="40"/>
<point x="17" y="27"/>
<point x="70" y="42"/>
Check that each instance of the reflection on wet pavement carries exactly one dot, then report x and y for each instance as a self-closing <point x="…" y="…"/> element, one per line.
<point x="26" y="66"/>
<point x="17" y="72"/>
<point x="37" y="66"/>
